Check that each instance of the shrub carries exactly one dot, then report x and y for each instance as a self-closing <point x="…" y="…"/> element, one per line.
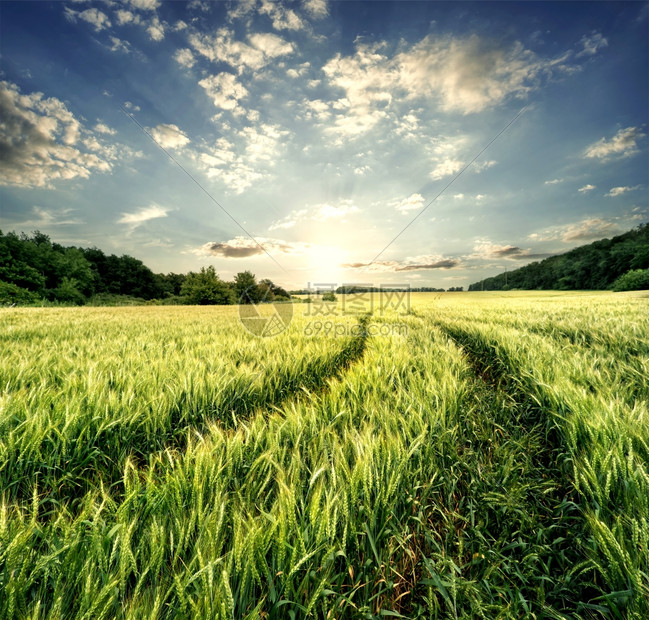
<point x="633" y="280"/>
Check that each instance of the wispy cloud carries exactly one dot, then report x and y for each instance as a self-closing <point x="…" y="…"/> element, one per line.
<point x="586" y="188"/>
<point x="623" y="144"/>
<point x="618" y="191"/>
<point x="411" y="203"/>
<point x="591" y="44"/>
<point x="143" y="215"/>
<point x="96" y="18"/>
<point x="418" y="263"/>
<point x="490" y="251"/>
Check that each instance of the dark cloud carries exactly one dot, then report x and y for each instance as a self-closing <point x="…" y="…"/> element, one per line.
<point x="447" y="263"/>
<point x="516" y="253"/>
<point x="232" y="251"/>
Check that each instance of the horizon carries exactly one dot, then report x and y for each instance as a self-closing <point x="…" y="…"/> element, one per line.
<point x="324" y="129"/>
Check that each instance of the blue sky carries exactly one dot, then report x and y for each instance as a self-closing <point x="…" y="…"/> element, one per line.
<point x="323" y="129"/>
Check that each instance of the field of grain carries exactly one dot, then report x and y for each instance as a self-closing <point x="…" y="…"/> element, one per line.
<point x="470" y="455"/>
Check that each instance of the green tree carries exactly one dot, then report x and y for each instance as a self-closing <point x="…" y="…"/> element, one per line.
<point x="206" y="288"/>
<point x="246" y="288"/>
<point x="634" y="280"/>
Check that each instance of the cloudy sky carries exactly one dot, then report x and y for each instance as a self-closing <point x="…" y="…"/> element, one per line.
<point x="299" y="139"/>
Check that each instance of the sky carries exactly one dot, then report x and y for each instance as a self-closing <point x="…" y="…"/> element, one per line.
<point x="320" y="142"/>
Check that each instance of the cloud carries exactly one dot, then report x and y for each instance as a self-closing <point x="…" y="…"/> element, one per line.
<point x="318" y="213"/>
<point x="412" y="203"/>
<point x="271" y="45"/>
<point x="127" y="17"/>
<point x="143" y="215"/>
<point x="245" y="247"/>
<point x="156" y="29"/>
<point x="145" y="5"/>
<point x="247" y="158"/>
<point x="592" y="228"/>
<point x="105" y="129"/>
<point x="586" y="188"/>
<point x="471" y="74"/>
<point x="95" y="17"/>
<point x="48" y="217"/>
<point x="317" y="9"/>
<point x="592" y="44"/>
<point x="589" y="229"/>
<point x="185" y="58"/>
<point x="282" y="18"/>
<point x="446" y="168"/>
<point x="224" y="90"/>
<point x="222" y="47"/>
<point x="419" y="263"/>
<point x="618" y="191"/>
<point x="41" y="141"/>
<point x="490" y="251"/>
<point x="169" y="136"/>
<point x="117" y="45"/>
<point x="622" y="144"/>
<point x="554" y="182"/>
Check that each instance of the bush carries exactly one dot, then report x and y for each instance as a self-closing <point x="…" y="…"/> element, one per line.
<point x="633" y="280"/>
<point x="328" y="297"/>
<point x="13" y="294"/>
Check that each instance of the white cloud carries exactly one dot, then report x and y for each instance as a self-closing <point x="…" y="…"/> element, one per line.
<point x="588" y="229"/>
<point x="623" y="144"/>
<point x="317" y="9"/>
<point x="412" y="203"/>
<point x="118" y="45"/>
<point x="484" y="165"/>
<point x="222" y="47"/>
<point x="554" y="182"/>
<point x="282" y="18"/>
<point x="471" y="74"/>
<point x="586" y="188"/>
<point x="127" y="17"/>
<point x="93" y="16"/>
<point x="618" y="191"/>
<point x="271" y="45"/>
<point x="247" y="159"/>
<point x="41" y="141"/>
<point x="105" y="129"/>
<point x="326" y="211"/>
<point x="317" y="213"/>
<point x="145" y="5"/>
<point x="592" y="44"/>
<point x="446" y="168"/>
<point x="169" y="136"/>
<point x="185" y="58"/>
<point x="143" y="215"/>
<point x="156" y="29"/>
<point x="224" y="90"/>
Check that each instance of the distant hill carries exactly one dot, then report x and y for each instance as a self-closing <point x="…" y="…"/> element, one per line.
<point x="589" y="267"/>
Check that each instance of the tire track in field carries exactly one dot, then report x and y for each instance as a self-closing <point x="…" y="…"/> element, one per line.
<point x="528" y="508"/>
<point x="67" y="476"/>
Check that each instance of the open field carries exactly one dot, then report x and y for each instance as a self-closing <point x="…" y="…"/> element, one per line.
<point x="475" y="455"/>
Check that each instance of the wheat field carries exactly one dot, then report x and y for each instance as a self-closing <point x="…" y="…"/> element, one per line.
<point x="471" y="455"/>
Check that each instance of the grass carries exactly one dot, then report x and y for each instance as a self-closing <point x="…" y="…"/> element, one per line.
<point x="484" y="455"/>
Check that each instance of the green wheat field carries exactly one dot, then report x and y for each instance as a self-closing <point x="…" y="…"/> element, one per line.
<point x="477" y="455"/>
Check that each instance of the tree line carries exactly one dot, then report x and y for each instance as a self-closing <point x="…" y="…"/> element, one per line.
<point x="619" y="263"/>
<point x="33" y="269"/>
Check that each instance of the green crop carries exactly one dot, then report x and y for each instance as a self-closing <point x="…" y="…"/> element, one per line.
<point x="481" y="455"/>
